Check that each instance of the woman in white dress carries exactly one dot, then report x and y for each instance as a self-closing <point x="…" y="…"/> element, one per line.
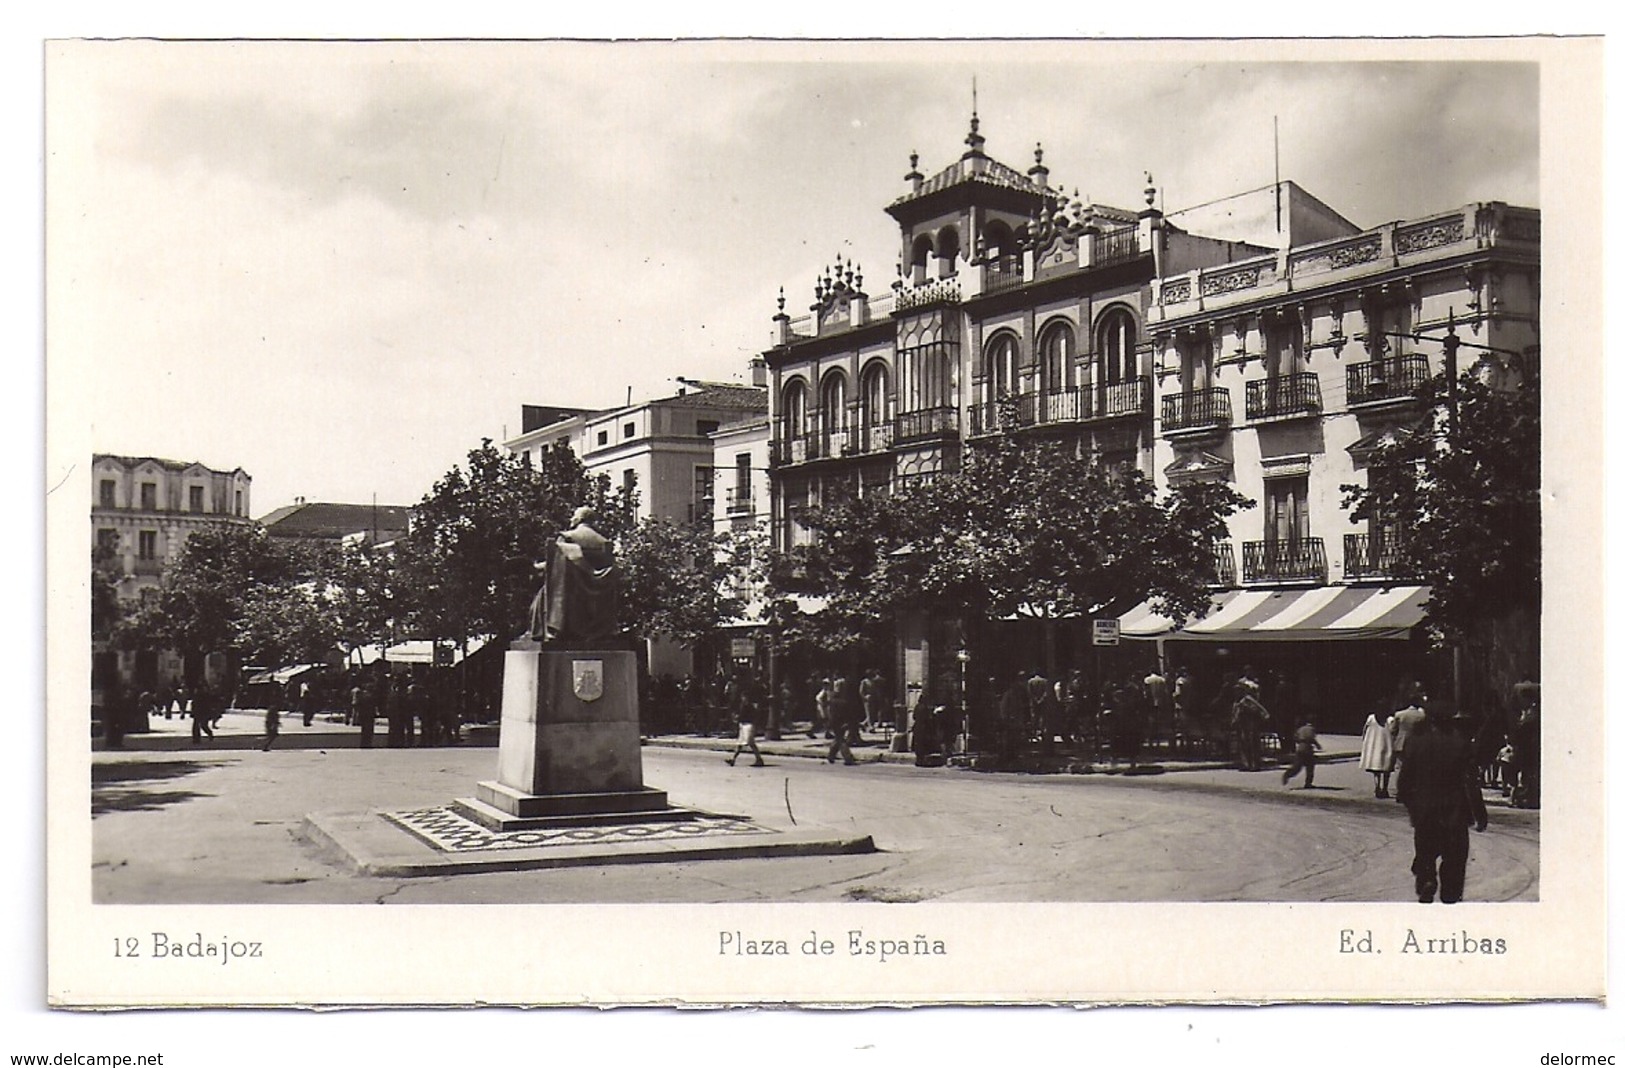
<point x="1377" y="750"/>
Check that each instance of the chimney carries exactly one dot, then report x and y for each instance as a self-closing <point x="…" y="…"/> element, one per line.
<point x="758" y="372"/>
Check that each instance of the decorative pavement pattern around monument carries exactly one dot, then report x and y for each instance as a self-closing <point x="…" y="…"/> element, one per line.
<point x="448" y="831"/>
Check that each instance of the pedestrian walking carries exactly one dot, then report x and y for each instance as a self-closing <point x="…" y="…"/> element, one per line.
<point x="746" y="712"/>
<point x="286" y="700"/>
<point x="1526" y="745"/>
<point x="821" y="710"/>
<point x="203" y="716"/>
<point x="1377" y="750"/>
<point x="1405" y="722"/>
<point x="1248" y="717"/>
<point x="307" y="702"/>
<point x="1304" y="745"/>
<point x="363" y="711"/>
<point x="1438" y="786"/>
<point x="843" y="721"/>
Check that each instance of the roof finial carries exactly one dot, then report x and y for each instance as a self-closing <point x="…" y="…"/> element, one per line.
<point x="781" y="300"/>
<point x="974" y="139"/>
<point x="1150" y="191"/>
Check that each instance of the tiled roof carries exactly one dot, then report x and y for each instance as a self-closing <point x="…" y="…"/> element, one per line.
<point x="721" y="395"/>
<point x="325" y="520"/>
<point x="168" y="465"/>
<point x="995" y="173"/>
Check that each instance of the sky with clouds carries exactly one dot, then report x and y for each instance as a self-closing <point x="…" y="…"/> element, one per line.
<point x="340" y="265"/>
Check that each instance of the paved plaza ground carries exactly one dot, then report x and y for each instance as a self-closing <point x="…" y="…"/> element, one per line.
<point x="226" y="822"/>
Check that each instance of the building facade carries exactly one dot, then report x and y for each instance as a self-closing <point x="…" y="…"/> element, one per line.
<point x="142" y="511"/>
<point x="665" y="449"/>
<point x="1263" y="340"/>
<point x="1280" y="374"/>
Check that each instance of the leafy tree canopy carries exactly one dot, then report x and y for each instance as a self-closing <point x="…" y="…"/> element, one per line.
<point x="1462" y="493"/>
<point x="1023" y="529"/>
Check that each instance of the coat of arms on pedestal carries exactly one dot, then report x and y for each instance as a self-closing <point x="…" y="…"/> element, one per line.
<point x="587" y="678"/>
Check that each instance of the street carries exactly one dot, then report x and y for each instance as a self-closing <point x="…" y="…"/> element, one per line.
<point x="213" y="826"/>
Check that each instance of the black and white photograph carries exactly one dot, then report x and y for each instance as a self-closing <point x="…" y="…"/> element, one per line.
<point x="841" y="523"/>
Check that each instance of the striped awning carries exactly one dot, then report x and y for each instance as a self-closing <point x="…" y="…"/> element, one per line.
<point x="1322" y="613"/>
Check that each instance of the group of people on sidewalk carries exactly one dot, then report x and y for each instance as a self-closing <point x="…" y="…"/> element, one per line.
<point x="840" y="710"/>
<point x="1438" y="758"/>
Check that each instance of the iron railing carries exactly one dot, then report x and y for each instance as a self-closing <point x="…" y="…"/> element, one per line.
<point x="1200" y="408"/>
<point x="1002" y="274"/>
<point x="1291" y="559"/>
<point x="925" y="423"/>
<point x="1115" y="246"/>
<point x="1392" y="378"/>
<point x="1224" y="563"/>
<point x="1279" y="396"/>
<point x="1373" y="556"/>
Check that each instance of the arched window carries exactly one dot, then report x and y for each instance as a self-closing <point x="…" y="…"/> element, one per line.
<point x="1001" y="365"/>
<point x="1057" y="347"/>
<point x="832" y="413"/>
<point x="998" y="239"/>
<point x="947" y="251"/>
<point x="874" y="402"/>
<point x="1114" y="347"/>
<point x="920" y="258"/>
<point x="793" y="416"/>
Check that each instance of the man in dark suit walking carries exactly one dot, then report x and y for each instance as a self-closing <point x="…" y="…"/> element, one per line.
<point x="1438" y="785"/>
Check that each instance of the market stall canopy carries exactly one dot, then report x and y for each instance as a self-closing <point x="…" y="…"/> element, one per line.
<point x="1322" y="613"/>
<point x="283" y="675"/>
<point x="418" y="651"/>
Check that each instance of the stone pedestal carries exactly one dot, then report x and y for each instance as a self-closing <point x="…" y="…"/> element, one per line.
<point x="570" y="751"/>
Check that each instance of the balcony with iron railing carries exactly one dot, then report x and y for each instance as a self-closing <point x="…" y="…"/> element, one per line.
<point x="869" y="438"/>
<point x="1199" y="411"/>
<point x="924" y="424"/>
<point x="1285" y="560"/>
<point x="1002" y="274"/>
<point x="1118" y="400"/>
<point x="1116" y="246"/>
<point x="1224" y="564"/>
<point x="740" y="501"/>
<point x="1391" y="380"/>
<point x="1367" y="556"/>
<point x="1283" y="397"/>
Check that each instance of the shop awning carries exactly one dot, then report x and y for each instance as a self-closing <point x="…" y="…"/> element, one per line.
<point x="417" y="651"/>
<point x="1321" y="613"/>
<point x="283" y="675"/>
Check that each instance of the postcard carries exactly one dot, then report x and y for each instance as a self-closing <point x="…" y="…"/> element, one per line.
<point x="721" y="523"/>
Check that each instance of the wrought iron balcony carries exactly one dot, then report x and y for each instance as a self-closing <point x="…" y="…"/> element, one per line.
<point x="1198" y="410"/>
<point x="1289" y="560"/>
<point x="871" y="438"/>
<point x="740" y="501"/>
<point x="1373" y="556"/>
<point x="1283" y="396"/>
<point x="1116" y="246"/>
<point x="925" y="423"/>
<point x="1002" y="274"/>
<point x="1224" y="563"/>
<point x="1395" y="378"/>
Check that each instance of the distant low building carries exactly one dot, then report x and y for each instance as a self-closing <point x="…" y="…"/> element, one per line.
<point x="143" y="508"/>
<point x="666" y="449"/>
<point x="323" y="521"/>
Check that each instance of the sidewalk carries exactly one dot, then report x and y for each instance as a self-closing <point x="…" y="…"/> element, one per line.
<point x="1338" y="776"/>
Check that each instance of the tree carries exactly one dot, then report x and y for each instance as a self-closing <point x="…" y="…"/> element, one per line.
<point x="466" y="566"/>
<point x="363" y="593"/>
<point x="676" y="580"/>
<point x="294" y="622"/>
<point x="106" y="611"/>
<point x="200" y="600"/>
<point x="1461" y="492"/>
<point x="1022" y="530"/>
